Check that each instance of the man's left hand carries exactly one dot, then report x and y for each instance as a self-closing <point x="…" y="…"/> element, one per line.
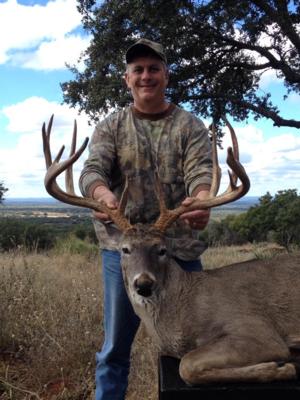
<point x="196" y="219"/>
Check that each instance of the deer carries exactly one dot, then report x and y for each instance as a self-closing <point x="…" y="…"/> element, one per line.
<point x="238" y="323"/>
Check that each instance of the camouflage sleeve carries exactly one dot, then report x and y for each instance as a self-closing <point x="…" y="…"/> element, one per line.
<point x="98" y="166"/>
<point x="197" y="161"/>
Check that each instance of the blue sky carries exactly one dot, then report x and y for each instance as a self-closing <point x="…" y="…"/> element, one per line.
<point x="38" y="38"/>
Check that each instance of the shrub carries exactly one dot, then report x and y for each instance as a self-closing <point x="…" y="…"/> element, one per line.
<point x="73" y="245"/>
<point x="16" y="233"/>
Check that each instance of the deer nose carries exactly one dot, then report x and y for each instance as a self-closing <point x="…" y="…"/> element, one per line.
<point x="143" y="285"/>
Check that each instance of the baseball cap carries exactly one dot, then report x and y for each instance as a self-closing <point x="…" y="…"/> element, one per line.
<point x="145" y="44"/>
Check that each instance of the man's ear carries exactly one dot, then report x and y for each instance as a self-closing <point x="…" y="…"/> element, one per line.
<point x="126" y="79"/>
<point x="167" y="75"/>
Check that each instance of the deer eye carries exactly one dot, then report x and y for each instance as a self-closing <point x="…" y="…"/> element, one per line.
<point x="125" y="250"/>
<point x="162" y="251"/>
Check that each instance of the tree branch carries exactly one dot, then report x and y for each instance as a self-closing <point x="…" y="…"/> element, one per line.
<point x="263" y="111"/>
<point x="278" y="121"/>
<point x="290" y="75"/>
<point x="282" y="18"/>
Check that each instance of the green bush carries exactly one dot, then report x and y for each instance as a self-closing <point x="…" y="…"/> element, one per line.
<point x="85" y="231"/>
<point x="73" y="245"/>
<point x="16" y="233"/>
<point x="273" y="219"/>
<point x="222" y="233"/>
<point x="40" y="235"/>
<point x="11" y="233"/>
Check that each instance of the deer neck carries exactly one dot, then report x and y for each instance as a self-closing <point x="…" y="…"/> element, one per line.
<point x="160" y="312"/>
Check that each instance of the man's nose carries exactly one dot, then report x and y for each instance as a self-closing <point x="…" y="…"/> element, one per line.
<point x="146" y="74"/>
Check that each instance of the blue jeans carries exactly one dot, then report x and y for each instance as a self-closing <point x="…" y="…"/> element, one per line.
<point x="120" y="327"/>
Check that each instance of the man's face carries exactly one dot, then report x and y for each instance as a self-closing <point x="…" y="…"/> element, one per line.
<point x="147" y="78"/>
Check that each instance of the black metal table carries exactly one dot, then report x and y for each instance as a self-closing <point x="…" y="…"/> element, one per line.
<point x="172" y="387"/>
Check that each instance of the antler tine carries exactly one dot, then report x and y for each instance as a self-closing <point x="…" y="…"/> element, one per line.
<point x="123" y="200"/>
<point x="232" y="193"/>
<point x="216" y="178"/>
<point x="46" y="141"/>
<point x="166" y="217"/>
<point x="69" y="182"/>
<point x="235" y="145"/>
<point x="55" y="168"/>
<point x="159" y="193"/>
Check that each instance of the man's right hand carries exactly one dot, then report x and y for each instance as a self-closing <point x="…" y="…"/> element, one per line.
<point x="103" y="194"/>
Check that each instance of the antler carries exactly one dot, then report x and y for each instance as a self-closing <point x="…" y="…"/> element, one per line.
<point x="167" y="217"/>
<point x="232" y="193"/>
<point x="55" y="168"/>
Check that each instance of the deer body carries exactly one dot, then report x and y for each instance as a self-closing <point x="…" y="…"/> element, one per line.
<point x="237" y="323"/>
<point x="236" y="316"/>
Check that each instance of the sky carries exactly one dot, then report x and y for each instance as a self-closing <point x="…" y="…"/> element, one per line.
<point x="38" y="38"/>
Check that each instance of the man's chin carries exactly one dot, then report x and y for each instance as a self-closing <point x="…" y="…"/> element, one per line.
<point x="148" y="96"/>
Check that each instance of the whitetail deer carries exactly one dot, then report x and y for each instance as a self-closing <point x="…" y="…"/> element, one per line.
<point x="237" y="323"/>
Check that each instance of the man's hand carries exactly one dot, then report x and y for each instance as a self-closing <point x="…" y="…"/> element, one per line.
<point x="103" y="194"/>
<point x="196" y="219"/>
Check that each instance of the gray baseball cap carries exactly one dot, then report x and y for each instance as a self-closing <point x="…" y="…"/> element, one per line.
<point x="142" y="45"/>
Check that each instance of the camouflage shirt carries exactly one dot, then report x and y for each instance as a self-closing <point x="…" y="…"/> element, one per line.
<point x="175" y="144"/>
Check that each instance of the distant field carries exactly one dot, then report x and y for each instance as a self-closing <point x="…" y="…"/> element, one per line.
<point x="50" y="209"/>
<point x="238" y="207"/>
<point x="42" y="211"/>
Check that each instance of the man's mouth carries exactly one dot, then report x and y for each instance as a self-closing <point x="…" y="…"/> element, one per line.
<point x="147" y="86"/>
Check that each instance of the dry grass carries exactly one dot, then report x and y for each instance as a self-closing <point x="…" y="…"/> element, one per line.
<point x="50" y="328"/>
<point x="50" y="320"/>
<point x="217" y="257"/>
<point x="50" y="325"/>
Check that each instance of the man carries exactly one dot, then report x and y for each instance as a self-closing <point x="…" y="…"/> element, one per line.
<point x="149" y="136"/>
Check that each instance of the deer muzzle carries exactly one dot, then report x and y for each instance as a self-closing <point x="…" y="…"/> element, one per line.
<point x="143" y="284"/>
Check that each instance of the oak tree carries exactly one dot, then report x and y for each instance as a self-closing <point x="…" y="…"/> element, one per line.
<point x="217" y="51"/>
<point x="2" y="191"/>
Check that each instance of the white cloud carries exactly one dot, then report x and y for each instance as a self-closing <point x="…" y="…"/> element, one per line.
<point x="22" y="167"/>
<point x="267" y="78"/>
<point x="28" y="115"/>
<point x="294" y="98"/>
<point x="272" y="163"/>
<point x="40" y="37"/>
<point x="52" y="55"/>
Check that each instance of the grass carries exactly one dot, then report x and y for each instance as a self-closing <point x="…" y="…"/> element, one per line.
<point x="50" y="324"/>
<point x="217" y="257"/>
<point x="50" y="308"/>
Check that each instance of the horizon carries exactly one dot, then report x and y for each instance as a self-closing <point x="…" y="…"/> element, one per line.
<point x="53" y="200"/>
